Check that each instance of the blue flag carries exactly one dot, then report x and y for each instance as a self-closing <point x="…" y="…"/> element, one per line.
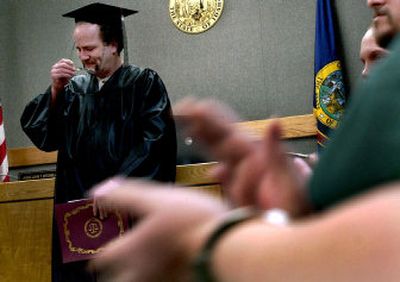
<point x="329" y="90"/>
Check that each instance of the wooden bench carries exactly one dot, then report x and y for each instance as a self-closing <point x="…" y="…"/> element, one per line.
<point x="26" y="207"/>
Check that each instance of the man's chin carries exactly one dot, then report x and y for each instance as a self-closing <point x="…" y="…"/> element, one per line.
<point x="384" y="32"/>
<point x="383" y="39"/>
<point x="381" y="23"/>
<point x="90" y="69"/>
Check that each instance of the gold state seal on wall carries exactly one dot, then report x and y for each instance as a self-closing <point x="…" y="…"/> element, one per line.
<point x="195" y="16"/>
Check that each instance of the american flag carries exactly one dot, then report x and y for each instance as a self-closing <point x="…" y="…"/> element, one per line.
<point x="4" y="176"/>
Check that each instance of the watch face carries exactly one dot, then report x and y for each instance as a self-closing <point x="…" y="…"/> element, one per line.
<point x="195" y="16"/>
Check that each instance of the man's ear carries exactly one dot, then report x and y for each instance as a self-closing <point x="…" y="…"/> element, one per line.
<point x="114" y="47"/>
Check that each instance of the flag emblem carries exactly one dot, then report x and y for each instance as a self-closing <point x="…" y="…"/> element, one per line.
<point x="330" y="94"/>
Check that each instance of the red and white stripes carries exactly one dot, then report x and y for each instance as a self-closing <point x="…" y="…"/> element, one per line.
<point x="4" y="174"/>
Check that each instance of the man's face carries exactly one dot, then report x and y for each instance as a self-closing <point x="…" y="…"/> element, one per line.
<point x="93" y="53"/>
<point x="370" y="51"/>
<point x="384" y="19"/>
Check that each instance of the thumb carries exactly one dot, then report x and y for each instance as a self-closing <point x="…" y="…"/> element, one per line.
<point x="273" y="148"/>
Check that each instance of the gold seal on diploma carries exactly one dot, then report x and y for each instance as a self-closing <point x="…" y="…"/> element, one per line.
<point x="195" y="16"/>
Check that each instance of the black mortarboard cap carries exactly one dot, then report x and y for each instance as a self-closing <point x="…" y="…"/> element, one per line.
<point x="103" y="14"/>
<point x="99" y="13"/>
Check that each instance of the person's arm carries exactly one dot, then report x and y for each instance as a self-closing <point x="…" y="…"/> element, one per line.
<point x="358" y="241"/>
<point x="60" y="73"/>
<point x="38" y="121"/>
<point x="41" y="115"/>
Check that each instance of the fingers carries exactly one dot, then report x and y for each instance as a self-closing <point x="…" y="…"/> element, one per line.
<point x="106" y="187"/>
<point x="282" y="184"/>
<point x="94" y="207"/>
<point x="63" y="69"/>
<point x="274" y="181"/>
<point x="61" y="72"/>
<point x="263" y="162"/>
<point x="109" y="263"/>
<point x="125" y="258"/>
<point x="127" y="196"/>
<point x="246" y="180"/>
<point x="211" y="123"/>
<point x="143" y="253"/>
<point x="313" y="159"/>
<point x="191" y="109"/>
<point x="303" y="168"/>
<point x="206" y="120"/>
<point x="234" y="147"/>
<point x="139" y="198"/>
<point x="273" y="149"/>
<point x="221" y="173"/>
<point x="99" y="211"/>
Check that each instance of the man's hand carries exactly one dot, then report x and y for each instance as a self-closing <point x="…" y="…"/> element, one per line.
<point x="172" y="225"/>
<point x="284" y="179"/>
<point x="107" y="186"/>
<point x="61" y="72"/>
<point x="252" y="173"/>
<point x="212" y="123"/>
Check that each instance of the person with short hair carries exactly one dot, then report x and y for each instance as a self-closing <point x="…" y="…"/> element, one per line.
<point x="370" y="51"/>
<point x="113" y="118"/>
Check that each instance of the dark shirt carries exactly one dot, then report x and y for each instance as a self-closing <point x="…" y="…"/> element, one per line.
<point x="126" y="128"/>
<point x="364" y="151"/>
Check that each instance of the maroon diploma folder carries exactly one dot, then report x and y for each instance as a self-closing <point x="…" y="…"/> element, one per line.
<point x="81" y="234"/>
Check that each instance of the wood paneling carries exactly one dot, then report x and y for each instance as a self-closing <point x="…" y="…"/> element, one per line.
<point x="18" y="157"/>
<point x="298" y="126"/>
<point x="194" y="174"/>
<point x="293" y="127"/>
<point x="26" y="212"/>
<point x="26" y="190"/>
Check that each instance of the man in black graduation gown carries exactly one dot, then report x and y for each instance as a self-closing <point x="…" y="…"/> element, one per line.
<point x="115" y="119"/>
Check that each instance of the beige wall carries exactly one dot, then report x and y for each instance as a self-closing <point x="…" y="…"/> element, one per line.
<point x="258" y="58"/>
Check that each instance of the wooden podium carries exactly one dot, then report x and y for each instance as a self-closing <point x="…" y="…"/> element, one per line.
<point x="26" y="218"/>
<point x="26" y="215"/>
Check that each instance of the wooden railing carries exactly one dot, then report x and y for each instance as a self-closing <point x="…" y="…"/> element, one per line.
<point x="299" y="126"/>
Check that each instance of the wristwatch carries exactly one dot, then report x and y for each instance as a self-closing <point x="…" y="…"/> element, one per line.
<point x="202" y="263"/>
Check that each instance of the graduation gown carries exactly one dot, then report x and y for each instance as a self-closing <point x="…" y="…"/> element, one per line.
<point x="364" y="151"/>
<point x="125" y="128"/>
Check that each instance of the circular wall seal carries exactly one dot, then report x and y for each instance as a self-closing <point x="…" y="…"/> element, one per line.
<point x="195" y="16"/>
<point x="330" y="94"/>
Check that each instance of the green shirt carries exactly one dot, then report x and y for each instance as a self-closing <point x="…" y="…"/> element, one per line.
<point x="365" y="149"/>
